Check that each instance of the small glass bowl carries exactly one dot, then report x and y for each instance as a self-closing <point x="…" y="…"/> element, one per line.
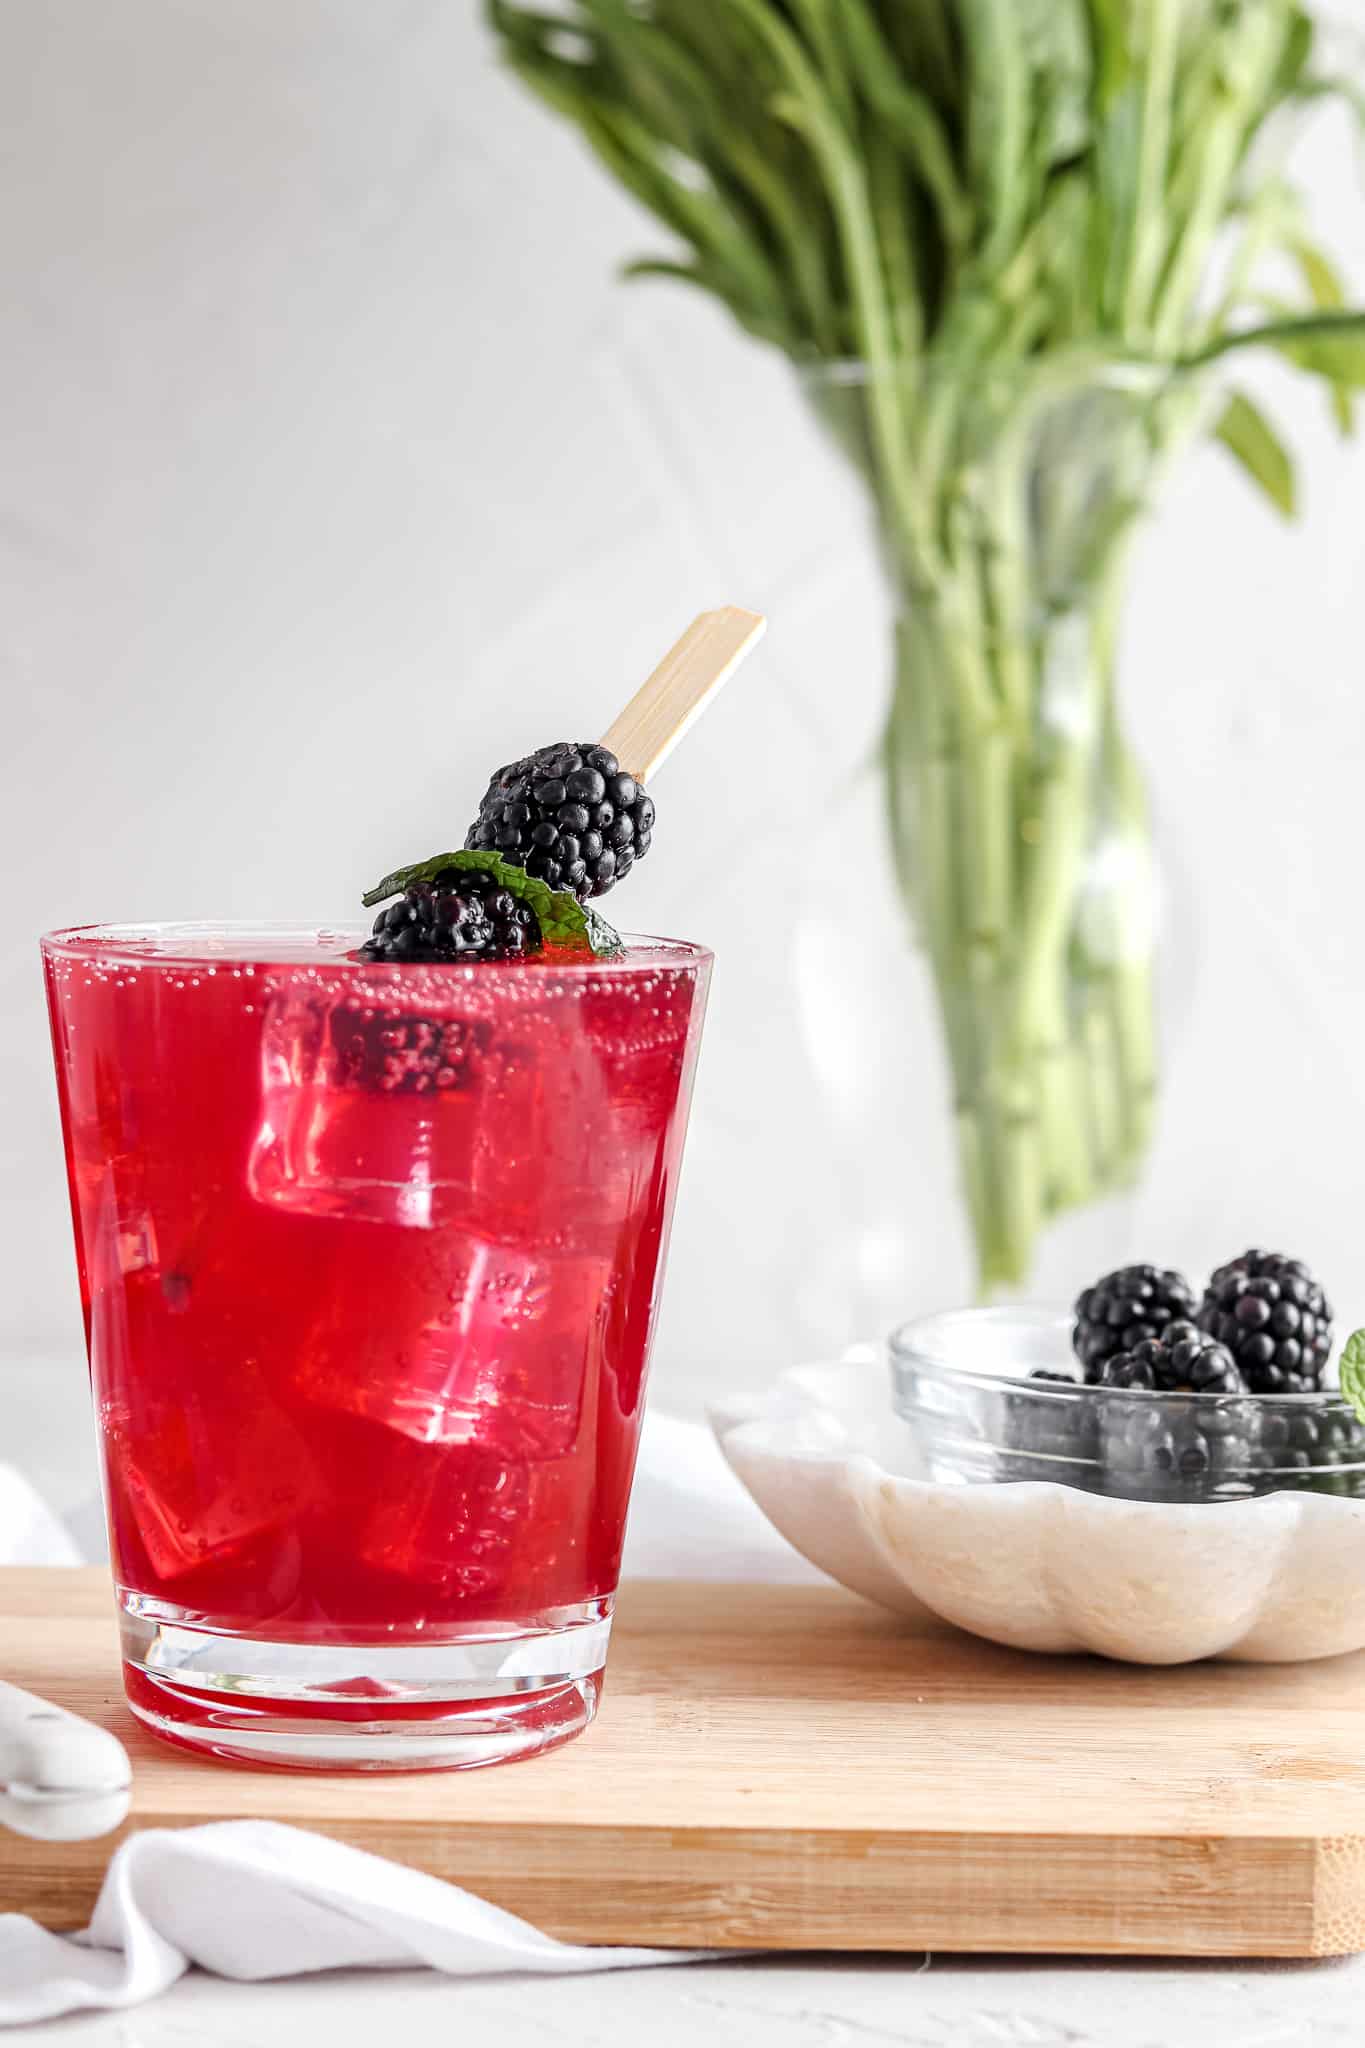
<point x="962" y="1382"/>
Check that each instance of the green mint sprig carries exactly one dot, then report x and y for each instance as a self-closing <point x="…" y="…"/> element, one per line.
<point x="566" y="925"/>
<point x="1353" y="1372"/>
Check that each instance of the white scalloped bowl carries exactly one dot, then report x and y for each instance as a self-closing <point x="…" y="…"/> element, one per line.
<point x="1039" y="1566"/>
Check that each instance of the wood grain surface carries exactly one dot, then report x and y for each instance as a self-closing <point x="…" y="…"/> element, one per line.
<point x="792" y="1768"/>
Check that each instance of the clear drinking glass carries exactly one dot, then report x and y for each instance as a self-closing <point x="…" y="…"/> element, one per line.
<point x="370" y="1258"/>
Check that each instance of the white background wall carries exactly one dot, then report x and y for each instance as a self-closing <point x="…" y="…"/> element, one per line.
<point x="335" y="468"/>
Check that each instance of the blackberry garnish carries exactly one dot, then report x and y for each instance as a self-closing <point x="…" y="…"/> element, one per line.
<point x="1274" y="1318"/>
<point x="459" y="914"/>
<point x="1186" y="1360"/>
<point x="1127" y="1308"/>
<point x="567" y="814"/>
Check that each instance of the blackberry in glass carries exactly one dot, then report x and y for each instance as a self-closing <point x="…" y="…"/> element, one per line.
<point x="568" y="814"/>
<point x="1150" y="1447"/>
<point x="1040" y="1432"/>
<point x="1312" y="1451"/>
<point x="1185" y="1361"/>
<point x="401" y="1054"/>
<point x="1274" y="1318"/>
<point x="1125" y="1308"/>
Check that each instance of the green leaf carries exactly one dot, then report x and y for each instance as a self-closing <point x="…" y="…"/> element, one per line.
<point x="997" y="117"/>
<point x="1353" y="1372"/>
<point x="1248" y="436"/>
<point x="1339" y="357"/>
<point x="1111" y="59"/>
<point x="565" y="923"/>
<point x="1300" y="35"/>
<point x="1331" y="344"/>
<point x="910" y="118"/>
<point x="1320" y="274"/>
<point x="1328" y="293"/>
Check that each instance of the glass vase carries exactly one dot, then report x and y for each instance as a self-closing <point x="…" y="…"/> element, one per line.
<point x="1016" y="813"/>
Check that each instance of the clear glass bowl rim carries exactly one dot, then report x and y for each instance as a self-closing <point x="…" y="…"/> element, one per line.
<point x="119" y="942"/>
<point x="919" y="1344"/>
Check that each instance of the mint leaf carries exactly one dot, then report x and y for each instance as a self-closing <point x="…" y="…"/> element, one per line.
<point x="565" y="923"/>
<point x="1353" y="1373"/>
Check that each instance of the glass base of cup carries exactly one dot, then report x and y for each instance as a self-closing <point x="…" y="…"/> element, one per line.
<point x="449" y="1704"/>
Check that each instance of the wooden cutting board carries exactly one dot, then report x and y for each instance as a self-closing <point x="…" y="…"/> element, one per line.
<point x="783" y="1768"/>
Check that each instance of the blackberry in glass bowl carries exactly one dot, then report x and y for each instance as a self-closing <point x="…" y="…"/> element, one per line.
<point x="991" y="1395"/>
<point x="1273" y="1316"/>
<point x="1128" y="1307"/>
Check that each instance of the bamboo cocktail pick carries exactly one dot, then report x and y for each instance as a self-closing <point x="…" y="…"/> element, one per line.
<point x="644" y="735"/>
<point x="540" y="814"/>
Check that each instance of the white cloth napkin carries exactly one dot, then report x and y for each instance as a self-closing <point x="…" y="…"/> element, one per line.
<point x="29" y="1532"/>
<point x="250" y="1899"/>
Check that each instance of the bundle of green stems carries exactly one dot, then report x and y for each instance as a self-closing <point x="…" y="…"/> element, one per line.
<point x="1013" y="247"/>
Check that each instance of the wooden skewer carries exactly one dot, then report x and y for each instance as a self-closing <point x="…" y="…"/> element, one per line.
<point x="662" y="709"/>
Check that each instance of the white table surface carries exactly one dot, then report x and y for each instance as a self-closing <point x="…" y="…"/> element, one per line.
<point x="996" y="2002"/>
<point x="788" y="2002"/>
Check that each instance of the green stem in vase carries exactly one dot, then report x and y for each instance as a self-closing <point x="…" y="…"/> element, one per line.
<point x="1008" y="243"/>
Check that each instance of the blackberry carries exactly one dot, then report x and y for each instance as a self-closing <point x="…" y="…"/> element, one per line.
<point x="459" y="915"/>
<point x="1152" y="1448"/>
<point x="1127" y="1308"/>
<point x="404" y="1055"/>
<point x="1275" y="1320"/>
<point x="1046" y="1438"/>
<point x="1313" y="1450"/>
<point x="569" y="814"/>
<point x="1185" y="1360"/>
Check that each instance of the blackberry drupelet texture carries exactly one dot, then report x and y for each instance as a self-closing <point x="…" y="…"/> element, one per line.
<point x="459" y="915"/>
<point x="1274" y="1318"/>
<point x="1047" y="1437"/>
<point x="1153" y="1449"/>
<point x="1317" y="1452"/>
<point x="1126" y="1308"/>
<point x="568" y="814"/>
<point x="1185" y="1360"/>
<point x="1152" y="1446"/>
<point x="404" y="1055"/>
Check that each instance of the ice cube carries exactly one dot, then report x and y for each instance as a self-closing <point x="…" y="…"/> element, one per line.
<point x="467" y="1342"/>
<point x="448" y="1518"/>
<point x="201" y="1480"/>
<point x="199" y="1457"/>
<point x="369" y="1109"/>
<point x="441" y="1107"/>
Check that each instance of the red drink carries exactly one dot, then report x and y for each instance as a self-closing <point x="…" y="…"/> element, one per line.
<point x="370" y="1260"/>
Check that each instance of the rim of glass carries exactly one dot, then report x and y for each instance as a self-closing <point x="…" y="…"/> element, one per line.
<point x="919" y="1342"/>
<point x="119" y="942"/>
